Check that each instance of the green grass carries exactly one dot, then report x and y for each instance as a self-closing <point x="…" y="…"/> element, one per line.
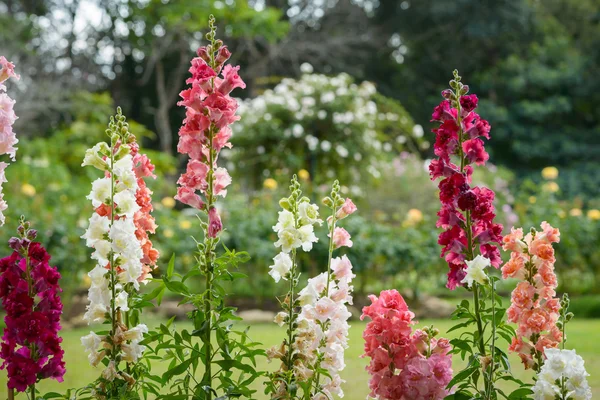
<point x="582" y="335"/>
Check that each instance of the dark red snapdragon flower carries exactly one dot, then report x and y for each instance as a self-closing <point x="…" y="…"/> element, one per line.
<point x="467" y="212"/>
<point x="29" y="292"/>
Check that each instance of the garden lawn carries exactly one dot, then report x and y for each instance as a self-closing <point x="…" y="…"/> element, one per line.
<point x="582" y="335"/>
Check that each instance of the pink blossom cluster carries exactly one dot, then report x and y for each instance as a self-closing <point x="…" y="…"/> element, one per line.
<point x="8" y="117"/>
<point x="29" y="291"/>
<point x="534" y="307"/>
<point x="405" y="365"/>
<point x="467" y="212"/>
<point x="323" y="325"/>
<point x="143" y="219"/>
<point x="210" y="110"/>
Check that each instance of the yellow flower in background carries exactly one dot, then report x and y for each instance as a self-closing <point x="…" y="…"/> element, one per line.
<point x="303" y="175"/>
<point x="575" y="212"/>
<point x="87" y="281"/>
<point x="270" y="184"/>
<point x="551" y="187"/>
<point x="28" y="190"/>
<point x="413" y="217"/>
<point x="168" y="202"/>
<point x="593" y="214"/>
<point x="550" y="173"/>
<point x="185" y="224"/>
<point x="168" y="233"/>
<point x="532" y="199"/>
<point x="561" y="213"/>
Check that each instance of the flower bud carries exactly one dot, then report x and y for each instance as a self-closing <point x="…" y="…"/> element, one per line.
<point x="285" y="204"/>
<point x="31" y="234"/>
<point x="447" y="94"/>
<point x="15" y="244"/>
<point x="122" y="152"/>
<point x="327" y="202"/>
<point x="203" y="54"/>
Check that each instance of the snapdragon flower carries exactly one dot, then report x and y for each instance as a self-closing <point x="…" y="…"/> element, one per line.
<point x="118" y="233"/>
<point x="8" y="139"/>
<point x="534" y="307"/>
<point x="562" y="376"/>
<point x="30" y="293"/>
<point x="404" y="365"/>
<point x="318" y="333"/>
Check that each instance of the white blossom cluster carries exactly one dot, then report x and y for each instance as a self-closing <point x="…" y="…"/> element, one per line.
<point x="338" y="121"/>
<point x="323" y="324"/>
<point x="114" y="242"/>
<point x="294" y="232"/>
<point x="563" y="376"/>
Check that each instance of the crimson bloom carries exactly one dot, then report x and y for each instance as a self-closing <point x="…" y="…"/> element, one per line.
<point x="467" y="213"/>
<point x="29" y="292"/>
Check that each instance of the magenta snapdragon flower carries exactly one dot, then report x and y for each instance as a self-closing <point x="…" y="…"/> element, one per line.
<point x="29" y="292"/>
<point x="467" y="212"/>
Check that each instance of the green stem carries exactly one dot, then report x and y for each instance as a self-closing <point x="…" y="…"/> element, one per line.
<point x="209" y="248"/>
<point x="493" y="350"/>
<point x="113" y="282"/>
<point x="470" y="254"/>
<point x="31" y="293"/>
<point x="481" y="342"/>
<point x="291" y="317"/>
<point x="331" y="230"/>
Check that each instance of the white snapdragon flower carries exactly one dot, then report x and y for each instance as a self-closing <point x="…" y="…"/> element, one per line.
<point x="125" y="163"/>
<point x="122" y="235"/>
<point x="103" y="248"/>
<point x="309" y="213"/>
<point x="289" y="238"/>
<point x="97" y="229"/>
<point x="100" y="193"/>
<point x="475" y="271"/>
<point x="126" y="203"/>
<point x="131" y="271"/>
<point x="98" y="276"/>
<point x="91" y="342"/>
<point x="285" y="221"/>
<point x="132" y="352"/>
<point x="95" y="313"/>
<point x="98" y="292"/>
<point x="562" y="364"/>
<point x="93" y="158"/>
<point x="137" y="333"/>
<point x="281" y="267"/>
<point x="307" y="237"/>
<point x="121" y="301"/>
<point x="126" y="180"/>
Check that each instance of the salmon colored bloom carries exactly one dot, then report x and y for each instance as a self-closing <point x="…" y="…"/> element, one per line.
<point x="533" y="306"/>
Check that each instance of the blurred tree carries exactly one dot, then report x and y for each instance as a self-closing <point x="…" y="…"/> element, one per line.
<point x="534" y="64"/>
<point x="139" y="49"/>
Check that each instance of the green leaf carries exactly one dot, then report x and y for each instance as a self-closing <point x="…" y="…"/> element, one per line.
<point x="176" y="287"/>
<point x="520" y="394"/>
<point x="461" y="376"/>
<point x="171" y="266"/>
<point x="176" y="370"/>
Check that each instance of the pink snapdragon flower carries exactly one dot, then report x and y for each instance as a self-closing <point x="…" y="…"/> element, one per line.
<point x="533" y="307"/>
<point x="8" y="139"/>
<point x="31" y="348"/>
<point x="405" y="365"/>
<point x="210" y="110"/>
<point x="341" y="238"/>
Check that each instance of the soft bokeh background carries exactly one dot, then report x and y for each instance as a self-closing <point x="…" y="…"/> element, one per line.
<point x="336" y="88"/>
